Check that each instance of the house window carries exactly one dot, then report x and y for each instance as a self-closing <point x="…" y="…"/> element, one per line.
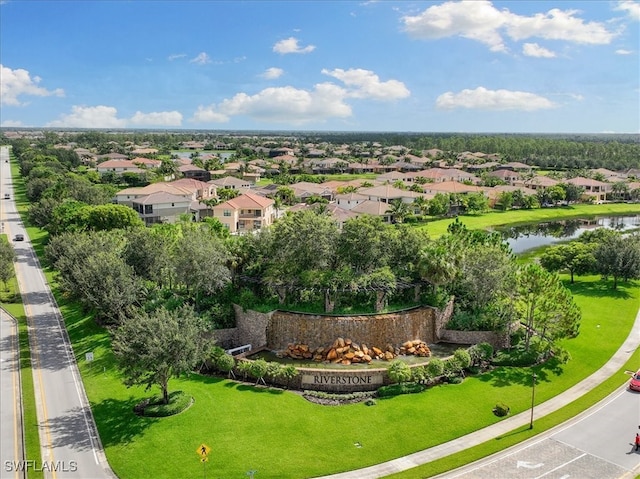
<point x="227" y="213"/>
<point x="256" y="225"/>
<point x="257" y="213"/>
<point x="148" y="209"/>
<point x="241" y="225"/>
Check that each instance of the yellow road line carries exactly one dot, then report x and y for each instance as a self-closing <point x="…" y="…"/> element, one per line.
<point x="35" y="356"/>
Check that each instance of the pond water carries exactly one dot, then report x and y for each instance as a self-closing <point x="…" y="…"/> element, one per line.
<point x="438" y="350"/>
<point x="527" y="237"/>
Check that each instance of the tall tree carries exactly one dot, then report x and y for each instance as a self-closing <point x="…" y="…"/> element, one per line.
<point x="619" y="257"/>
<point x="544" y="306"/>
<point x="151" y="348"/>
<point x="575" y="258"/>
<point x="7" y="257"/>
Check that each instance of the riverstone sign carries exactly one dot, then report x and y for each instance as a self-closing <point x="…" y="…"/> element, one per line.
<point x="342" y="380"/>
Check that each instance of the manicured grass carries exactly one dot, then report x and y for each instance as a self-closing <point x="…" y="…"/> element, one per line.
<point x="306" y="439"/>
<point x="437" y="228"/>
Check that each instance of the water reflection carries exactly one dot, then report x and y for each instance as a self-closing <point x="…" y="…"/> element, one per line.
<point x="526" y="237"/>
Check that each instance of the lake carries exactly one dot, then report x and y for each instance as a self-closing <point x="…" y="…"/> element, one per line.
<point x="526" y="237"/>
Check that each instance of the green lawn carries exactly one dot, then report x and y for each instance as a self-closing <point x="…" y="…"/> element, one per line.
<point x="305" y="439"/>
<point x="281" y="435"/>
<point x="512" y="217"/>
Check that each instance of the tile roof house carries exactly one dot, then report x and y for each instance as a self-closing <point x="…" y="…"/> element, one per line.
<point x="161" y="207"/>
<point x="374" y="208"/>
<point x="245" y="213"/>
<point x="594" y="188"/>
<point x="146" y="162"/>
<point x="232" y="183"/>
<point x="349" y="201"/>
<point x="118" y="166"/>
<point x="202" y="189"/>
<point x="128" y="195"/>
<point x="540" y="182"/>
<point x="509" y="176"/>
<point x="451" y="187"/>
<point x="387" y="193"/>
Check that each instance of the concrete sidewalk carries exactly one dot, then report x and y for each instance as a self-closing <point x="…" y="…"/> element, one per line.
<point x="614" y="364"/>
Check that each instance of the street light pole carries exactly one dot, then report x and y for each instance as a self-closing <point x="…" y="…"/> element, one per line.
<point x="533" y="396"/>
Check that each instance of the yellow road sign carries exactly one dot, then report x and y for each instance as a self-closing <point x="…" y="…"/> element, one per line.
<point x="203" y="450"/>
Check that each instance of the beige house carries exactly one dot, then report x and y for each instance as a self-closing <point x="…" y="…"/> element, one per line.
<point x="161" y="207"/>
<point x="245" y="213"/>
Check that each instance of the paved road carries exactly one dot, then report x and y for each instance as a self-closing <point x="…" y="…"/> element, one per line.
<point x="70" y="444"/>
<point x="594" y="443"/>
<point x="11" y="443"/>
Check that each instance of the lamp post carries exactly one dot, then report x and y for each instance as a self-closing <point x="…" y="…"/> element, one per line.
<point x="533" y="397"/>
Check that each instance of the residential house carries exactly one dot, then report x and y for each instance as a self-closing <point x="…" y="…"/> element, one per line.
<point x="194" y="172"/>
<point x="394" y="176"/>
<point x="245" y="213"/>
<point x="438" y="175"/>
<point x="517" y="166"/>
<point x="374" y="208"/>
<point x="233" y="183"/>
<point x="349" y="201"/>
<point x="508" y="176"/>
<point x="118" y="166"/>
<point x="451" y="187"/>
<point x="339" y="214"/>
<point x="304" y="190"/>
<point x="388" y="193"/>
<point x="146" y="162"/>
<point x="161" y="207"/>
<point x="539" y="182"/>
<point x="129" y="195"/>
<point x="593" y="188"/>
<point x="202" y="189"/>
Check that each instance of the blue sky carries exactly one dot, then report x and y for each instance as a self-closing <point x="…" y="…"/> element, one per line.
<point x="470" y="66"/>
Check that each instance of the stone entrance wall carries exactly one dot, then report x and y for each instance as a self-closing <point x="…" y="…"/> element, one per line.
<point x="373" y="330"/>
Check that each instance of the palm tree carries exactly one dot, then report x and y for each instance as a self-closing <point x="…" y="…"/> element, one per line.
<point x="399" y="210"/>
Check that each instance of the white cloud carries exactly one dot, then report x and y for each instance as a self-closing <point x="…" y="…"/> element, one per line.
<point x="161" y="118"/>
<point x="558" y="24"/>
<point x="484" y="99"/>
<point x="622" y="51"/>
<point x="535" y="50"/>
<point x="290" y="45"/>
<point x="176" y="56"/>
<point x="11" y="123"/>
<point x="476" y="20"/>
<point x="201" y="59"/>
<point x="631" y="8"/>
<point x="272" y="73"/>
<point x="479" y="20"/>
<point x="366" y="84"/>
<point x="283" y="105"/>
<point x="102" y="116"/>
<point x="16" y="83"/>
<point x="90" y="117"/>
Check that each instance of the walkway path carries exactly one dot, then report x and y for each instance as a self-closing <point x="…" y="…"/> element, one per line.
<point x="499" y="429"/>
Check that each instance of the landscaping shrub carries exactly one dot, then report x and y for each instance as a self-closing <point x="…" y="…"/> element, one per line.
<point x="463" y="358"/>
<point x="399" y="371"/>
<point x="517" y="357"/>
<point x="155" y="407"/>
<point x="398" y="389"/>
<point x="480" y="352"/>
<point x="501" y="410"/>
